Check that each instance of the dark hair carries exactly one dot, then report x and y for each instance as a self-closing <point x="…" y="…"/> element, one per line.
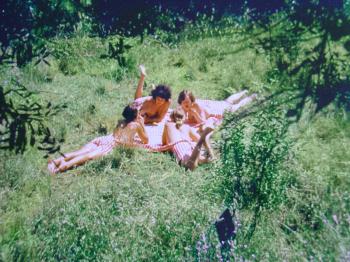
<point x="129" y="114"/>
<point x="161" y="91"/>
<point x="183" y="94"/>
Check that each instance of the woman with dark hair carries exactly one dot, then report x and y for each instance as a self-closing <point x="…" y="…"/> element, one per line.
<point x="123" y="135"/>
<point x="153" y="108"/>
<point x="199" y="111"/>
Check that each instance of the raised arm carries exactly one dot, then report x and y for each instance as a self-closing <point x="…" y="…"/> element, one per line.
<point x="139" y="89"/>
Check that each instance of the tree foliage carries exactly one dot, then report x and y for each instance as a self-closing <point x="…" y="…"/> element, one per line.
<point x="22" y="118"/>
<point x="26" y="25"/>
<point x="308" y="46"/>
<point x="24" y="31"/>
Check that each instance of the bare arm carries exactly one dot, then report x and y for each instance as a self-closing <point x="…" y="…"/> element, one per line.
<point x="204" y="113"/>
<point x="141" y="131"/>
<point x="199" y="114"/>
<point x="193" y="134"/>
<point x="139" y="89"/>
<point x="197" y="117"/>
<point x="208" y="147"/>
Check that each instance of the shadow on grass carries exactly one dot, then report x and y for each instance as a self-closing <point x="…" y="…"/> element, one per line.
<point x="112" y="161"/>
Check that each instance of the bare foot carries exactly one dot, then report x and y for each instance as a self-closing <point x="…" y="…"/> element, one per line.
<point x="243" y="102"/>
<point x="254" y="96"/>
<point x="56" y="162"/>
<point x="142" y="70"/>
<point x="52" y="167"/>
<point x="235" y="98"/>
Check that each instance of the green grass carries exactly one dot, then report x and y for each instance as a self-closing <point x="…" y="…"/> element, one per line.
<point x="315" y="220"/>
<point x="138" y="206"/>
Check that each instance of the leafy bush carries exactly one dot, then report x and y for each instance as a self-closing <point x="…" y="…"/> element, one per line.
<point x="117" y="50"/>
<point x="69" y="66"/>
<point x="252" y="162"/>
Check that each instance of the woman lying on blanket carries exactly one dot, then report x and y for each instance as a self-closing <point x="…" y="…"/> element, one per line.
<point x="153" y="108"/>
<point x="186" y="142"/>
<point x="199" y="111"/>
<point x="123" y="134"/>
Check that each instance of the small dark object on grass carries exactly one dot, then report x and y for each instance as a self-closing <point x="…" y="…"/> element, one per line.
<point x="225" y="227"/>
<point x="102" y="129"/>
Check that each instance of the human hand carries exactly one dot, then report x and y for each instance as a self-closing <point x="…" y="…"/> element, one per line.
<point x="185" y="107"/>
<point x="140" y="119"/>
<point x="192" y="112"/>
<point x="142" y="70"/>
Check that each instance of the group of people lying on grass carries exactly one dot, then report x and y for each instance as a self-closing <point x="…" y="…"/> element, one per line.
<point x="150" y="123"/>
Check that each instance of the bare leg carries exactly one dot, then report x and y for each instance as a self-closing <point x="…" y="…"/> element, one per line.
<point x="243" y="102"/>
<point x="206" y="143"/>
<point x="235" y="98"/>
<point x="81" y="151"/>
<point x="139" y="89"/>
<point x="68" y="156"/>
<point x="192" y="162"/>
<point x="208" y="147"/>
<point x="79" y="160"/>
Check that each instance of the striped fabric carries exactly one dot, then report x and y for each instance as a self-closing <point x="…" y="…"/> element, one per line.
<point x="107" y="143"/>
<point x="218" y="108"/>
<point x="213" y="107"/>
<point x="211" y="121"/>
<point x="103" y="143"/>
<point x="154" y="132"/>
<point x="183" y="150"/>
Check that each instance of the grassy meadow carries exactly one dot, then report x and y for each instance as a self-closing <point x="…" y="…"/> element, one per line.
<point x="138" y="206"/>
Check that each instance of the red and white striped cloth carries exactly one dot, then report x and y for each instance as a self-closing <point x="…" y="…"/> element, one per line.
<point x="103" y="143"/>
<point x="214" y="108"/>
<point x="183" y="150"/>
<point x="107" y="143"/>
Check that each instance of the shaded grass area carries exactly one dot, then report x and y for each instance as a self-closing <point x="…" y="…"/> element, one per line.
<point x="313" y="223"/>
<point x="133" y="205"/>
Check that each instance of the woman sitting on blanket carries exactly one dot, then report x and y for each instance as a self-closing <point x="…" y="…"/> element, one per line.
<point x="123" y="134"/>
<point x="187" y="144"/>
<point x="154" y="108"/>
<point x="199" y="111"/>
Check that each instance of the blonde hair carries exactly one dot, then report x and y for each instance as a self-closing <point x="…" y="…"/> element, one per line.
<point x="177" y="116"/>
